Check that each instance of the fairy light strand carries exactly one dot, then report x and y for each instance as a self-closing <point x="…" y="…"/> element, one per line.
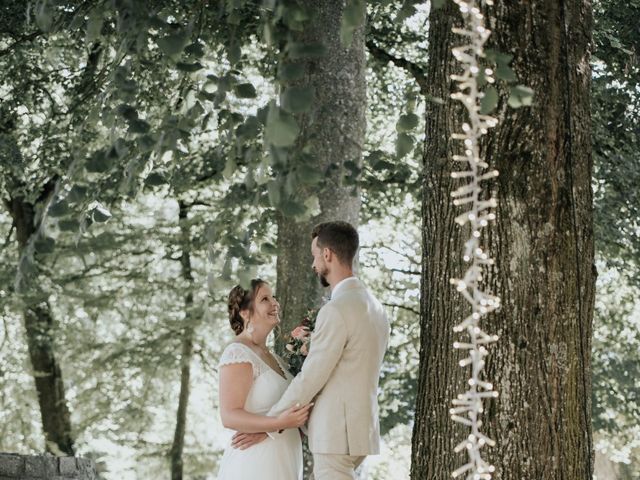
<point x="468" y="406"/>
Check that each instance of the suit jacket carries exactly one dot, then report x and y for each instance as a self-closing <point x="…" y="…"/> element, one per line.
<point x="341" y="372"/>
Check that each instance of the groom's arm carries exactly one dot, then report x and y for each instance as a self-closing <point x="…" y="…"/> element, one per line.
<point x="327" y="344"/>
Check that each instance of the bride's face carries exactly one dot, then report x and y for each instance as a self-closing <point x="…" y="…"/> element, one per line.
<point x="266" y="309"/>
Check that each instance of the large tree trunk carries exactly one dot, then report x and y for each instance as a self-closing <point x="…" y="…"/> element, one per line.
<point x="38" y="320"/>
<point x="543" y="246"/>
<point x="187" y="351"/>
<point x="334" y="131"/>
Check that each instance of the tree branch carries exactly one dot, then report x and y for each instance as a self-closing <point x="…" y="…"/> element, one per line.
<point x="406" y="272"/>
<point x="414" y="69"/>
<point x="403" y="307"/>
<point x="24" y="38"/>
<point x="6" y="242"/>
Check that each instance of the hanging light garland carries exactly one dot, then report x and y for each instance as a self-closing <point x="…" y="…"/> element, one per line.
<point x="468" y="406"/>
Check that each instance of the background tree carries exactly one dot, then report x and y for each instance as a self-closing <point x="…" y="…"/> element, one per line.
<point x="330" y="142"/>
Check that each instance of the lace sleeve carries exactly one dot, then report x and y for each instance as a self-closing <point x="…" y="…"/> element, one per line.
<point x="237" y="353"/>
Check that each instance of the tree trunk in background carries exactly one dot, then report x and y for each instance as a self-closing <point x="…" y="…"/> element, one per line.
<point x="543" y="246"/>
<point x="335" y="133"/>
<point x="38" y="321"/>
<point x="187" y="351"/>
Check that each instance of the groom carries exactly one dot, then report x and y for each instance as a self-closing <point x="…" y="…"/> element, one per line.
<point x="342" y="368"/>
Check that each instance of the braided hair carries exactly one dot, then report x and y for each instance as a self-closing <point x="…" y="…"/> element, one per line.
<point x="241" y="299"/>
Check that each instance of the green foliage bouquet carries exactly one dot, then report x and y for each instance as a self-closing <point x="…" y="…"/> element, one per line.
<point x="298" y="342"/>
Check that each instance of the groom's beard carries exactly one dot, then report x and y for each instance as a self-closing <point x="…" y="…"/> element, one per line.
<point x="321" y="276"/>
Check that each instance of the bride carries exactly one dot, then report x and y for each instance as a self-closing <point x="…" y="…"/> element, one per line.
<point x="252" y="380"/>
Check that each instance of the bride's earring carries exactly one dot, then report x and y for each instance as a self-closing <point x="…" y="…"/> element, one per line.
<point x="250" y="328"/>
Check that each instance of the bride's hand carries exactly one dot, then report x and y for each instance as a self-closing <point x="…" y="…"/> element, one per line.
<point x="295" y="416"/>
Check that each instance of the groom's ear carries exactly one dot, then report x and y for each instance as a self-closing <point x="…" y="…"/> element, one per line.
<point x="327" y="254"/>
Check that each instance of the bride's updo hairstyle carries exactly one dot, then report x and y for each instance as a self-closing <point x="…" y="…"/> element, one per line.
<point x="241" y="299"/>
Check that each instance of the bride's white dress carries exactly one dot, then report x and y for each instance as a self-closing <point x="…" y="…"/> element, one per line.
<point x="271" y="459"/>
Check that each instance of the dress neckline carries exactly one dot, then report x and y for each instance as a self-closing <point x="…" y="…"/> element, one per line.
<point x="282" y="375"/>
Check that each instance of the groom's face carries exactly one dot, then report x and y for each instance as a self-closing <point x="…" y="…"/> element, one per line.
<point x="319" y="266"/>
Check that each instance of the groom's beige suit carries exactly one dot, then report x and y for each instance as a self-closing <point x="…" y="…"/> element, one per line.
<point x="341" y="373"/>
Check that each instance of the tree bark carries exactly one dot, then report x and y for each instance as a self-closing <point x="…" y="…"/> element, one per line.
<point x="334" y="131"/>
<point x="38" y="321"/>
<point x="543" y="245"/>
<point x="187" y="351"/>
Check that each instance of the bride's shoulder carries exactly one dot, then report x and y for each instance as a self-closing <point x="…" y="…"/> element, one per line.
<point x="236" y="352"/>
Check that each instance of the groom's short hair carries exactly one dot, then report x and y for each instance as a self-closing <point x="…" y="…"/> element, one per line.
<point x="340" y="237"/>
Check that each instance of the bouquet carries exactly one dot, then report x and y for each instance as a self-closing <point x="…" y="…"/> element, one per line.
<point x="297" y="346"/>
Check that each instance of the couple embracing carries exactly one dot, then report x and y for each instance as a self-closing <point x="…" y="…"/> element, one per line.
<point x="336" y="390"/>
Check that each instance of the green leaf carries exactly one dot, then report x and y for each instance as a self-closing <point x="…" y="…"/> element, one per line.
<point x="173" y="44"/>
<point x="269" y="248"/>
<point x="245" y="274"/>
<point x="59" y="209"/>
<point x="139" y="126"/>
<point x="189" y="67"/>
<point x="281" y="129"/>
<point x="77" y="193"/>
<point x="436" y="4"/>
<point x="123" y="83"/>
<point x="498" y="57"/>
<point x="205" y="96"/>
<point x="489" y="101"/>
<point x="146" y="143"/>
<point x="290" y="72"/>
<point x="381" y="164"/>
<point x="520" y="96"/>
<point x="297" y="99"/>
<point x="273" y="190"/>
<point x="245" y="90"/>
<point x="155" y="179"/>
<point x="312" y="205"/>
<point x="45" y="245"/>
<point x="505" y="73"/>
<point x="249" y="129"/>
<point x="100" y="214"/>
<point x="352" y="17"/>
<point x="229" y="167"/>
<point x="127" y="111"/>
<point x="226" y="269"/>
<point x="118" y="149"/>
<point x="292" y="208"/>
<point x="404" y="145"/>
<point x="234" y="53"/>
<point x="295" y="17"/>
<point x="407" y="122"/>
<point x="195" y="49"/>
<point x="44" y="15"/>
<point x="68" y="225"/>
<point x="354" y="12"/>
<point x="306" y="50"/>
<point x="98" y="162"/>
<point x="263" y="113"/>
<point x="407" y="10"/>
<point x="94" y="25"/>
<point x="309" y="175"/>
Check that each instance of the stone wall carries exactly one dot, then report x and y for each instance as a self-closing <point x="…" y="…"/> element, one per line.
<point x="36" y="467"/>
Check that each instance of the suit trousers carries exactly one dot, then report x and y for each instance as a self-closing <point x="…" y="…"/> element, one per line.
<point x="335" y="467"/>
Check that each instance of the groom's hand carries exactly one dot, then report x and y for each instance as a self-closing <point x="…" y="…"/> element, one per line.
<point x="242" y="441"/>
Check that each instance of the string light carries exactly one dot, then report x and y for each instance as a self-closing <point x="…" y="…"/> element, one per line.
<point x="468" y="406"/>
